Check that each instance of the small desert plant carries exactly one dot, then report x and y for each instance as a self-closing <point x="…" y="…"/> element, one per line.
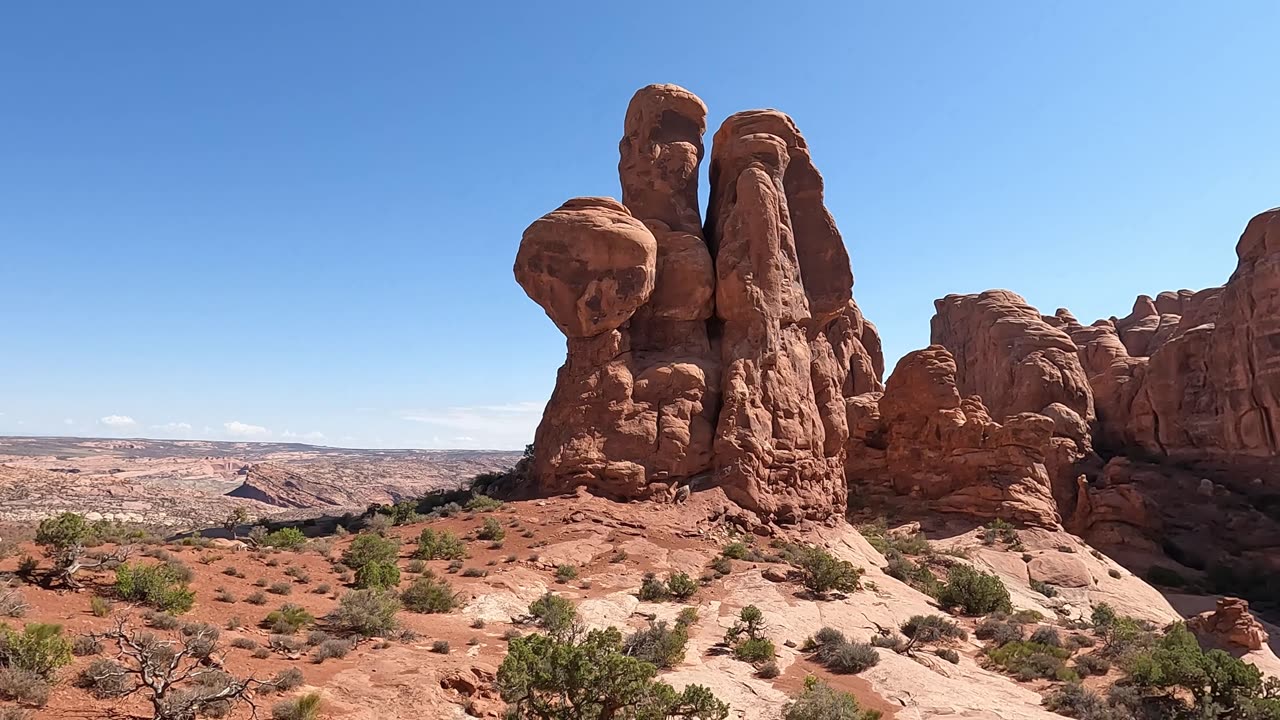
<point x="369" y="613"/>
<point x="820" y="701"/>
<point x="306" y="707"/>
<point x="159" y="586"/>
<point x="974" y="592"/>
<point x="565" y="573"/>
<point x="288" y="619"/>
<point x="439" y="546"/>
<point x="429" y="595"/>
<point x="378" y="574"/>
<point x="40" y="648"/>
<point x="440" y="646"/>
<point x="491" y="530"/>
<point x="823" y="573"/>
<point x="99" y="606"/>
<point x="289" y="538"/>
<point x="23" y="686"/>
<point x="332" y="648"/>
<point x="555" y="614"/>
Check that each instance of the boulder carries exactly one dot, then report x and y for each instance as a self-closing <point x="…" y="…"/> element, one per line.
<point x="1060" y="569"/>
<point x="1230" y="626"/>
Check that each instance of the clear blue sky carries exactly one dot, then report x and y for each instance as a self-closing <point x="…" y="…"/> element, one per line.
<point x="298" y="219"/>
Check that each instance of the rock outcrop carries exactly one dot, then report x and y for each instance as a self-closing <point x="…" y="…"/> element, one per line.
<point x="717" y="355"/>
<point x="1010" y="355"/>
<point x="1229" y="626"/>
<point x="923" y="441"/>
<point x="1195" y="376"/>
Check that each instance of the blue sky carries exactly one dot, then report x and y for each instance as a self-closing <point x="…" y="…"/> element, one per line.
<point x="296" y="220"/>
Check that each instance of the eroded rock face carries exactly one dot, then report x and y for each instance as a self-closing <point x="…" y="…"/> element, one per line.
<point x="1195" y="376"/>
<point x="726" y="359"/>
<point x="922" y="440"/>
<point x="1007" y="353"/>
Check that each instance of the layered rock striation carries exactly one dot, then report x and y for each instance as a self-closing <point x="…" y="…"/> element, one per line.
<point x="708" y="354"/>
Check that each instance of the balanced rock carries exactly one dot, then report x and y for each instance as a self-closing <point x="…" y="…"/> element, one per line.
<point x="589" y="264"/>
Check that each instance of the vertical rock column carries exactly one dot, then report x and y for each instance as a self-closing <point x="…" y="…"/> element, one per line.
<point x="772" y="453"/>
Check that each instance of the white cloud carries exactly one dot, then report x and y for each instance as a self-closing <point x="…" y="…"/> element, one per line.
<point x="314" y="436"/>
<point x="481" y="426"/>
<point x="180" y="428"/>
<point x="67" y="421"/>
<point x="238" y="429"/>
<point x="118" y="421"/>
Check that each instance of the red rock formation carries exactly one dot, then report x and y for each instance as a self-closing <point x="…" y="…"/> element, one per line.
<point x="921" y="439"/>
<point x="1229" y="626"/>
<point x="1009" y="355"/>
<point x="1202" y="385"/>
<point x="728" y="356"/>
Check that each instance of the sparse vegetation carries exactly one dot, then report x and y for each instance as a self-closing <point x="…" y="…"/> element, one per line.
<point x="368" y="613"/>
<point x="286" y="538"/>
<point x="747" y="639"/>
<point x="491" y="529"/>
<point x="439" y="546"/>
<point x="159" y="586"/>
<point x="429" y="595"/>
<point x="377" y="574"/>
<point x="288" y="619"/>
<point x="592" y="679"/>
<point x="974" y="592"/>
<point x="820" y="701"/>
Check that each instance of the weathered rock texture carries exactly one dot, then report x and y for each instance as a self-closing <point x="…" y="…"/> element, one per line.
<point x="921" y="439"/>
<point x="1195" y="376"/>
<point x="1229" y="626"/>
<point x="719" y="355"/>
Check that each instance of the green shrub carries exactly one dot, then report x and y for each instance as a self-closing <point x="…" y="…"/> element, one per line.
<point x="550" y="677"/>
<point x="370" y="548"/>
<point x="652" y="589"/>
<point x="306" y="707"/>
<point x="287" y="538"/>
<point x="1044" y="588"/>
<point x="565" y="573"/>
<point x="159" y="586"/>
<point x="822" y="573"/>
<point x="1000" y="530"/>
<point x="331" y="649"/>
<point x="555" y="614"/>
<point x="491" y="530"/>
<point x="1031" y="660"/>
<point x="736" y="551"/>
<point x="429" y="595"/>
<point x="404" y="513"/>
<point x="680" y="586"/>
<point x="659" y="644"/>
<point x="755" y="650"/>
<point x="1075" y="700"/>
<point x="820" y="701"/>
<point x="482" y="503"/>
<point x="439" y="546"/>
<point x="288" y="619"/>
<point x="975" y="592"/>
<point x="369" y="613"/>
<point x="916" y="575"/>
<point x="378" y="574"/>
<point x="40" y="648"/>
<point x="949" y="654"/>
